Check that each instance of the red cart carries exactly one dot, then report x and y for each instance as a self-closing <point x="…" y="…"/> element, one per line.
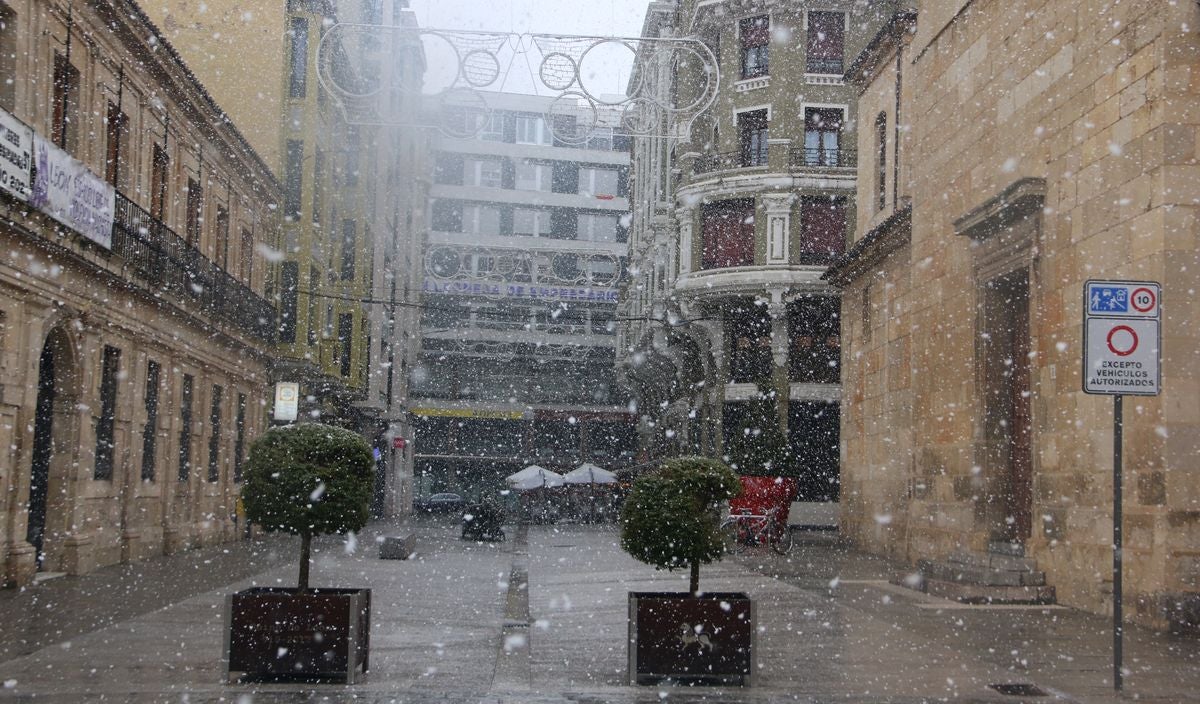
<point x="759" y="517"/>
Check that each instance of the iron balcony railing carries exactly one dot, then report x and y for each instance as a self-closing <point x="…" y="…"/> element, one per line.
<point x="827" y="157"/>
<point x="173" y="267"/>
<point x="741" y="159"/>
<point x="828" y="67"/>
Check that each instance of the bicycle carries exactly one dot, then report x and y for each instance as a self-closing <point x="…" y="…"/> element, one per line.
<point x="744" y="530"/>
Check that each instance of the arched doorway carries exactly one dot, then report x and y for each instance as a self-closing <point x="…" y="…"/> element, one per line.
<point x="55" y="388"/>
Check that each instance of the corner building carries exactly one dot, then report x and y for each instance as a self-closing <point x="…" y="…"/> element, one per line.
<point x="735" y="218"/>
<point x="1017" y="150"/>
<point x="135" y="334"/>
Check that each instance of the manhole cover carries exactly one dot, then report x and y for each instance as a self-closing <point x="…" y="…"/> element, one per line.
<point x="1019" y="689"/>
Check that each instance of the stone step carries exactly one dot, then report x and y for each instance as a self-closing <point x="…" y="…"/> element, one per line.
<point x="989" y="594"/>
<point x="993" y="560"/>
<point x="1004" y="547"/>
<point x="983" y="576"/>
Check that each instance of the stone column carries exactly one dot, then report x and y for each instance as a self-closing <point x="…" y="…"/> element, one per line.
<point x="684" y="217"/>
<point x="780" y="340"/>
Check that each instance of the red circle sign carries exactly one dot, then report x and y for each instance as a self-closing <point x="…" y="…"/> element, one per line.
<point x="1147" y="298"/>
<point x="1121" y="346"/>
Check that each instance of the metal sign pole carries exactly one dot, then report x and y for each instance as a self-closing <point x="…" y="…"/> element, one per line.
<point x="1118" y="625"/>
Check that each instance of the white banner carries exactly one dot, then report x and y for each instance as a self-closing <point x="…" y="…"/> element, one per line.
<point x="16" y="156"/>
<point x="529" y="291"/>
<point x="67" y="191"/>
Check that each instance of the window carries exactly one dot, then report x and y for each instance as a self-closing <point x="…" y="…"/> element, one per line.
<point x="596" y="227"/>
<point x="352" y="147"/>
<point x="222" y="237"/>
<point x="150" y="430"/>
<point x="293" y="179"/>
<point x="298" y="66"/>
<point x="826" y="35"/>
<point x="488" y="173"/>
<point x="481" y="219"/>
<point x="214" y="438"/>
<point x="110" y="368"/>
<point x="601" y="138"/>
<point x="346" y="339"/>
<point x="289" y="283"/>
<point x="727" y="232"/>
<point x="116" y="127"/>
<point x="814" y="335"/>
<point x="448" y="169"/>
<point x="314" y="281"/>
<point x="822" y="133"/>
<point x="185" y="430"/>
<point x="447" y="216"/>
<point x="823" y="228"/>
<point x="66" y="103"/>
<point x="752" y="137"/>
<point x="349" y="244"/>
<point x="881" y="161"/>
<point x="318" y="198"/>
<point x="493" y="128"/>
<point x="158" y="183"/>
<point x="239" y="443"/>
<point x="535" y="176"/>
<point x="748" y="326"/>
<point x="601" y="183"/>
<point x="8" y="58"/>
<point x="756" y="40"/>
<point x="195" y="211"/>
<point x="531" y="222"/>
<point x="531" y="129"/>
<point x="246" y="260"/>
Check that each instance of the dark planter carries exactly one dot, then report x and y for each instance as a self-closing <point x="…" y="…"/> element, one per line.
<point x="276" y="633"/>
<point x="707" y="639"/>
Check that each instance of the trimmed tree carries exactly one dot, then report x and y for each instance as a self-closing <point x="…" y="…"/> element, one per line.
<point x="671" y="518"/>
<point x="308" y="480"/>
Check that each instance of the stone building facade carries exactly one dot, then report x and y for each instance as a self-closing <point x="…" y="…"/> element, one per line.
<point x="135" y="335"/>
<point x="735" y="218"/>
<point x="1017" y="150"/>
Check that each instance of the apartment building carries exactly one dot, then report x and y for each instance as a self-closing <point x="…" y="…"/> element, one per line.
<point x="527" y="239"/>
<point x="135" y="326"/>
<point x="735" y="218"/>
<point x="262" y="65"/>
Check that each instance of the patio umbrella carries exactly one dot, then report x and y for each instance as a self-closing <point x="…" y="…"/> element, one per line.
<point x="588" y="473"/>
<point x="534" y="477"/>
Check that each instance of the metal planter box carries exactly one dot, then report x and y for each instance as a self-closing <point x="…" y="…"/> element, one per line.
<point x="707" y="639"/>
<point x="276" y="633"/>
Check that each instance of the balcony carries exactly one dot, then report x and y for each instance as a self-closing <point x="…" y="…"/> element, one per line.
<point x="172" y="267"/>
<point x="823" y="157"/>
<point x="721" y="161"/>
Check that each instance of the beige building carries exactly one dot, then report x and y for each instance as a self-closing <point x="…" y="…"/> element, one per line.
<point x="354" y="175"/>
<point x="735" y="218"/>
<point x="135" y="333"/>
<point x="1011" y="152"/>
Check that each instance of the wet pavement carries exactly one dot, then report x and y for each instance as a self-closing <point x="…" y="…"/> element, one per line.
<point x="458" y="624"/>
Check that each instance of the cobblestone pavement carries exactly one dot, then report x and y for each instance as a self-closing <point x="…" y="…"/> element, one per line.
<point x="458" y="624"/>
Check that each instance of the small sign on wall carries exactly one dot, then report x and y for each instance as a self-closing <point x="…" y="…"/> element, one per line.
<point x="287" y="401"/>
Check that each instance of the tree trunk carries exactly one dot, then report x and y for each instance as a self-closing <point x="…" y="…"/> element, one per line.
<point x="694" y="586"/>
<point x="305" y="558"/>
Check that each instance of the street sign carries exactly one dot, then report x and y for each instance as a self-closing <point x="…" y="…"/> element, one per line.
<point x="1122" y="338"/>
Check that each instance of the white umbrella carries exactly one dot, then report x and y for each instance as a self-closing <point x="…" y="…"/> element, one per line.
<point x="534" y="477"/>
<point x="588" y="473"/>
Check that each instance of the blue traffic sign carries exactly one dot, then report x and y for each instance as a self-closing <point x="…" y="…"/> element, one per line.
<point x="1108" y="299"/>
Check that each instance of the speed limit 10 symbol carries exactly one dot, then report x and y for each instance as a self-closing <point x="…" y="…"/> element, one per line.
<point x="1143" y="300"/>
